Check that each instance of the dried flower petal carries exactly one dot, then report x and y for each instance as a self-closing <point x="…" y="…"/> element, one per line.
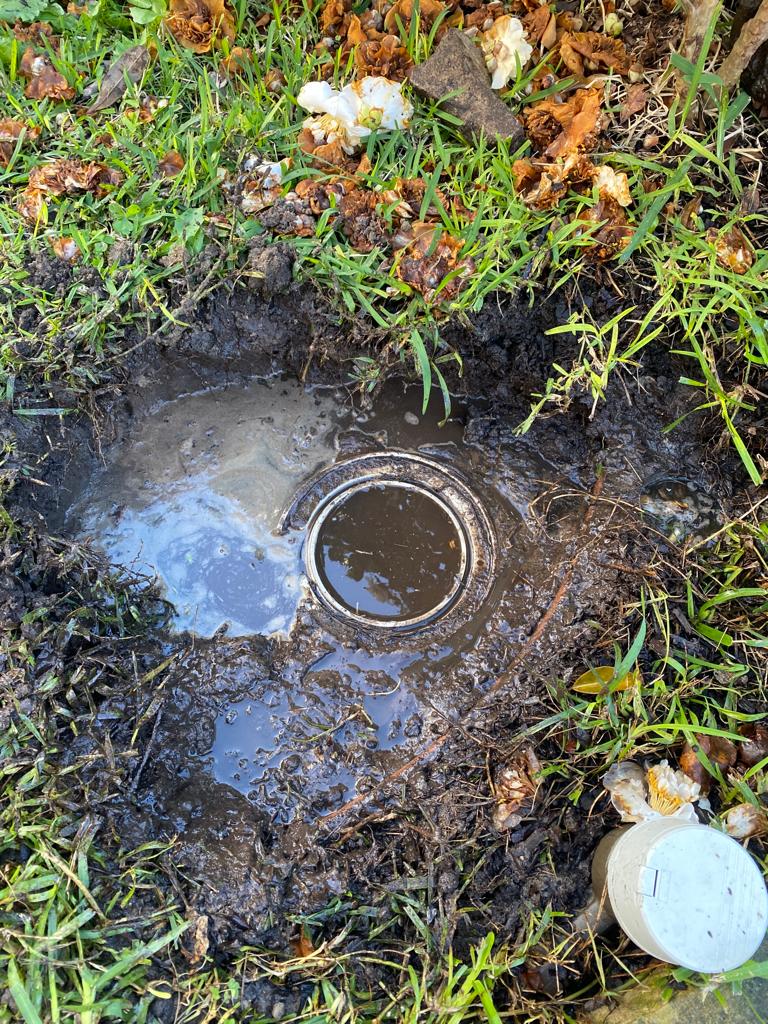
<point x="45" y="82"/>
<point x="506" y="50"/>
<point x="582" y="51"/>
<point x="66" y="249"/>
<point x="197" y="23"/>
<point x="745" y="821"/>
<point x="626" y="783"/>
<point x="671" y="792"/>
<point x="733" y="249"/>
<point x="171" y="164"/>
<point x="63" y="177"/>
<point x="348" y="116"/>
<point x="515" y="788"/>
<point x="11" y="131"/>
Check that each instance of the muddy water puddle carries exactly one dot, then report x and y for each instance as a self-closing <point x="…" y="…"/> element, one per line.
<point x="279" y="704"/>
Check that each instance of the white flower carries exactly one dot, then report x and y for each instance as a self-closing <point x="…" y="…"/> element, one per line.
<point x="349" y="115"/>
<point x="506" y="49"/>
<point x="662" y="792"/>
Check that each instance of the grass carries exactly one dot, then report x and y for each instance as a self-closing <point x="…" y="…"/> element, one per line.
<point x="88" y="932"/>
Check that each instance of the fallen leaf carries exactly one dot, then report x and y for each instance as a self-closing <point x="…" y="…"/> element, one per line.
<point x="754" y="748"/>
<point x="635" y="101"/>
<point x="514" y="789"/>
<point x="171" y="164"/>
<point x="11" y="130"/>
<point x="597" y="680"/>
<point x="733" y="249"/>
<point x="590" y="51"/>
<point x="63" y="177"/>
<point x="128" y="67"/>
<point x="195" y="24"/>
<point x="745" y="821"/>
<point x="66" y="249"/>
<point x="45" y="82"/>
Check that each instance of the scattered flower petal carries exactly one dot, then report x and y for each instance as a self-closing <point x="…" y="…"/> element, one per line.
<point x="347" y="116"/>
<point x="506" y="50"/>
<point x="514" y="789"/>
<point x="745" y="821"/>
<point x="171" y="164"/>
<point x="195" y="24"/>
<point x="45" y="82"/>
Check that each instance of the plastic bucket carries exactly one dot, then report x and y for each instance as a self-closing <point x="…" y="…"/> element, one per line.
<point x="687" y="894"/>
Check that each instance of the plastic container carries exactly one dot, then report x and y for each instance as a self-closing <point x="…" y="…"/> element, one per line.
<point x="685" y="893"/>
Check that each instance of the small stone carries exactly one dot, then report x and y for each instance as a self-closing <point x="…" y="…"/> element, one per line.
<point x="457" y="66"/>
<point x="411" y="419"/>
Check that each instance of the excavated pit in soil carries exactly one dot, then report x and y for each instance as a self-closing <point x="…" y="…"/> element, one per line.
<point x="275" y="711"/>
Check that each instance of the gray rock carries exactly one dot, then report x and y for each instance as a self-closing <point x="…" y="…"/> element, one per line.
<point x="457" y="67"/>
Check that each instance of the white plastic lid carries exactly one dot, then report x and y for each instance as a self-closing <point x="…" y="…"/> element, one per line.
<point x="688" y="894"/>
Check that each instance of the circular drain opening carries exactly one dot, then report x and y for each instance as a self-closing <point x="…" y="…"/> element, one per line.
<point x="390" y="554"/>
<point x="395" y="542"/>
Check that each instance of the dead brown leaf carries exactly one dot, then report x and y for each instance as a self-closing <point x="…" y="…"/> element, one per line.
<point x="196" y="24"/>
<point x="149" y="106"/>
<point x="45" y="82"/>
<point x="733" y="249"/>
<point x="514" y="789"/>
<point x="128" y="67"/>
<point x="635" y="101"/>
<point x="66" y="249"/>
<point x="321" y="194"/>
<point x="11" y="130"/>
<point x="591" y="51"/>
<point x="171" y="164"/>
<point x="63" y="177"/>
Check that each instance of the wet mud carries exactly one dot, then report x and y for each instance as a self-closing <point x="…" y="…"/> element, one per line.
<point x="275" y="708"/>
<point x="273" y="713"/>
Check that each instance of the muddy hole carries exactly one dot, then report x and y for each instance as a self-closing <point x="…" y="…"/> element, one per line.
<point x="347" y="577"/>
